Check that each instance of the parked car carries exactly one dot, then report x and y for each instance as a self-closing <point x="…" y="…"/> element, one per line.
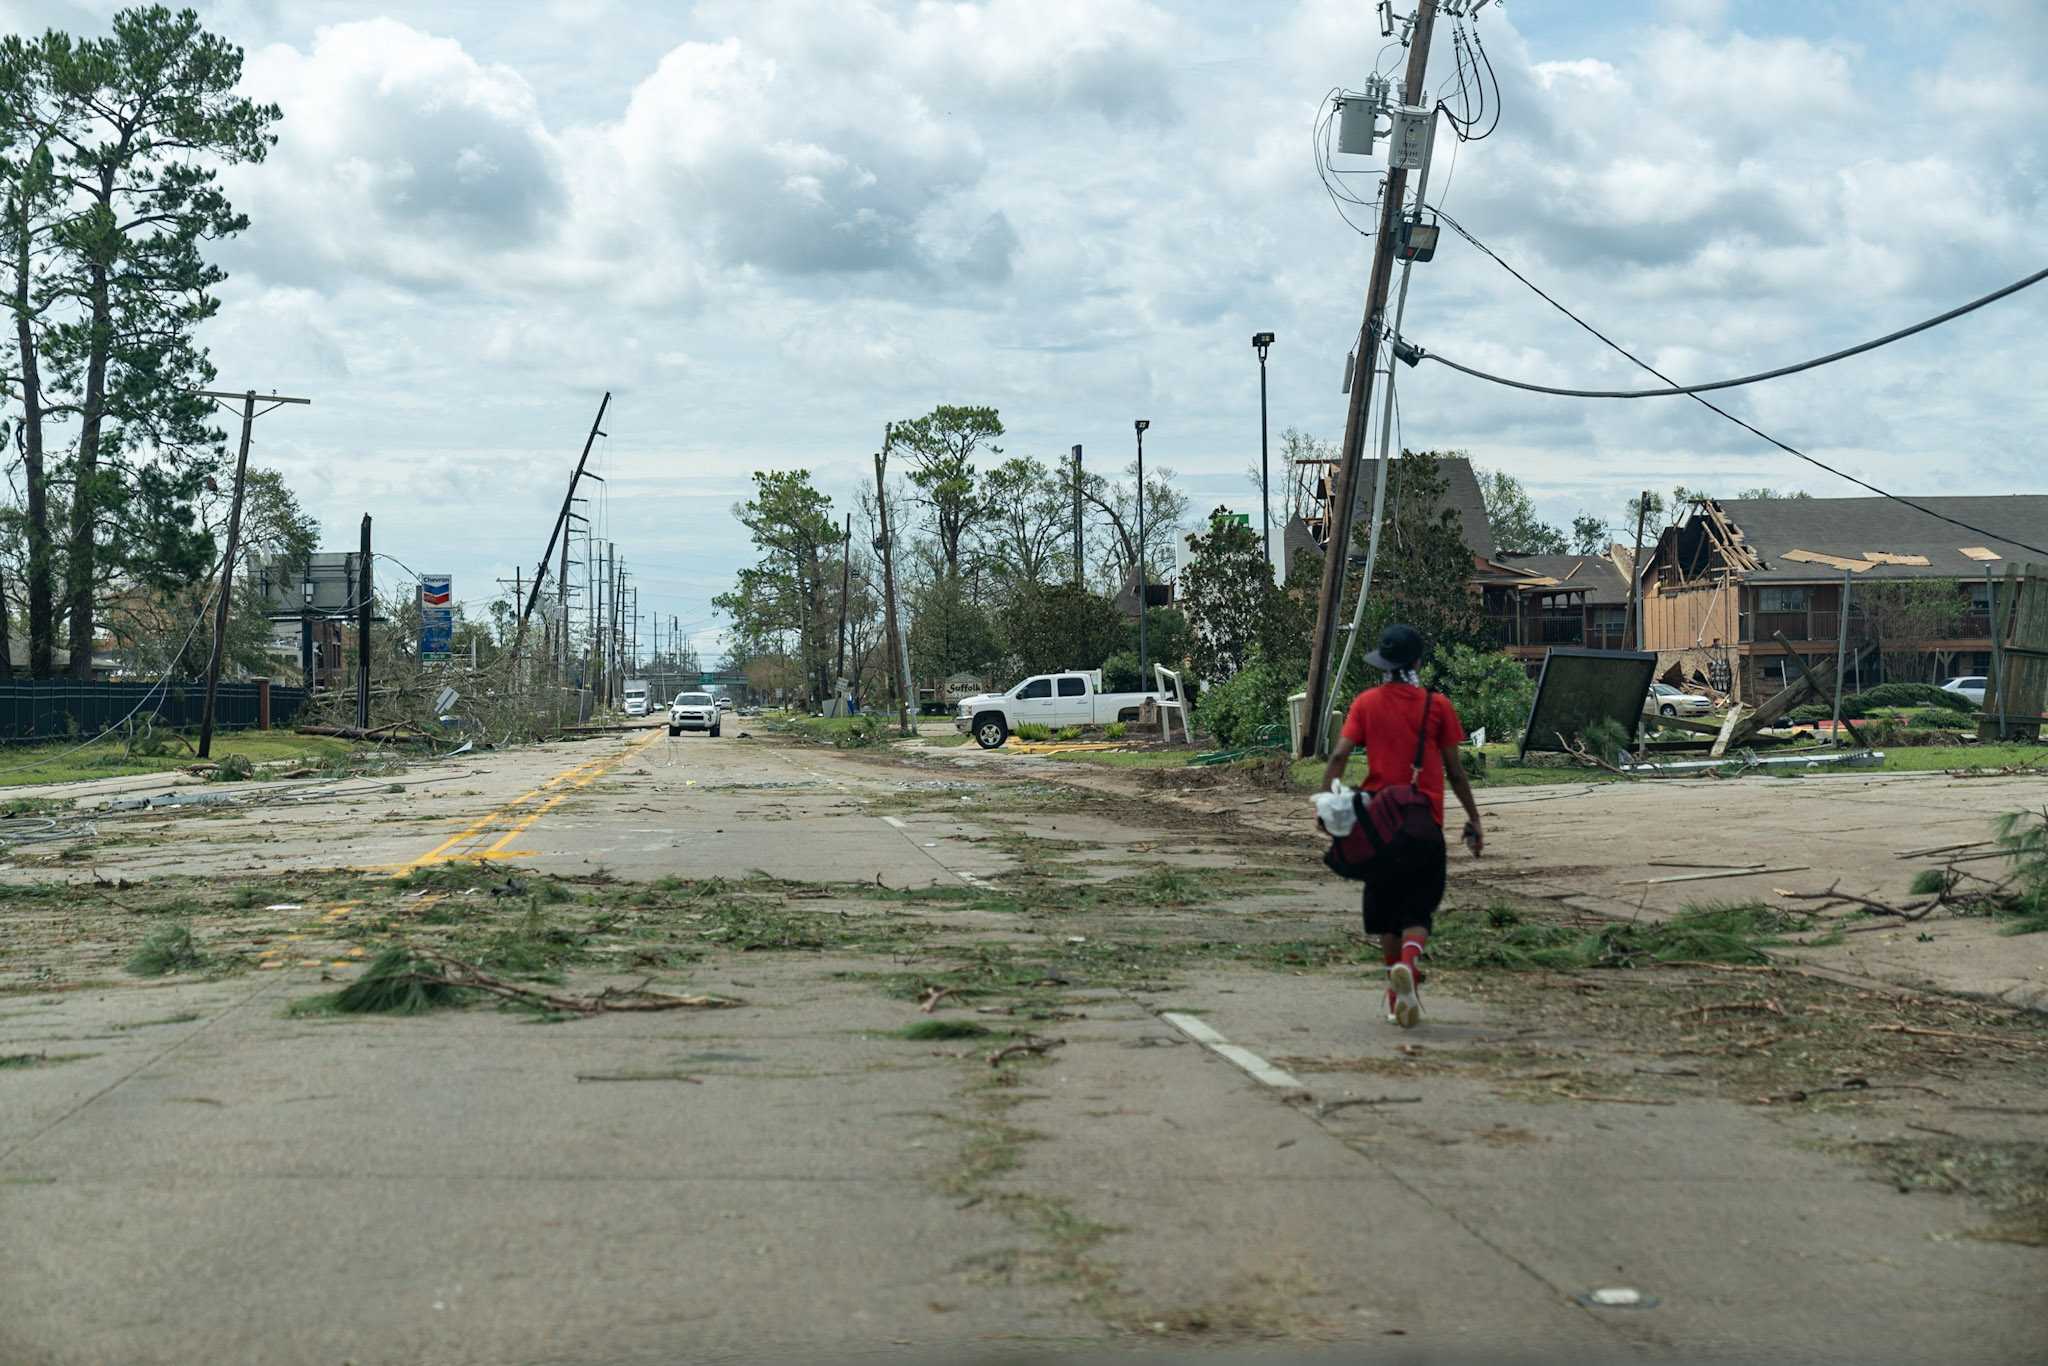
<point x="694" y="711"/>
<point x="1971" y="687"/>
<point x="1050" y="700"/>
<point x="1666" y="700"/>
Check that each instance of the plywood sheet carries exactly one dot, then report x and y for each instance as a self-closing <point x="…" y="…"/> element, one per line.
<point x="1832" y="561"/>
<point x="1886" y="557"/>
<point x="1978" y="552"/>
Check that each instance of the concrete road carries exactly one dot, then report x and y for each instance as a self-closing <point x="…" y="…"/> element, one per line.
<point x="188" y="1173"/>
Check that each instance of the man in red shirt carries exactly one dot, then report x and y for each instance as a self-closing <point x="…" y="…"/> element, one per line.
<point x="1402" y="891"/>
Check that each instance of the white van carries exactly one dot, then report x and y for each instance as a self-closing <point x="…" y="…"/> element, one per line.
<point x="635" y="696"/>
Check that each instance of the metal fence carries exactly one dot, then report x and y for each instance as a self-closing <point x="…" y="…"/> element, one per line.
<point x="67" y="708"/>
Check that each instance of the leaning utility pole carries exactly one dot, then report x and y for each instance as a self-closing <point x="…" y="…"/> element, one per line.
<point x="224" y="590"/>
<point x="561" y="520"/>
<point x="1337" y="550"/>
<point x="898" y="660"/>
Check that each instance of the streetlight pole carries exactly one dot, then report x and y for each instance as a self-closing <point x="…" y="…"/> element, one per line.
<point x="1144" y="657"/>
<point x="1261" y="342"/>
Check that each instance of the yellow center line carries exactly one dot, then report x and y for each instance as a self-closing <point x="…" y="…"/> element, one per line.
<point x="555" y="790"/>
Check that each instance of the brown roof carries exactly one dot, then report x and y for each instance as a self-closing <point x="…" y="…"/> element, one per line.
<point x="1595" y="573"/>
<point x="1893" y="539"/>
<point x="1461" y="495"/>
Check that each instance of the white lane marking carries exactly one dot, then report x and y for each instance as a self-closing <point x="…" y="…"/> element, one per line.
<point x="903" y="829"/>
<point x="1251" y="1062"/>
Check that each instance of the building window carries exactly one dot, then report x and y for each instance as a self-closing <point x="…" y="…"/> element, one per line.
<point x="1782" y="599"/>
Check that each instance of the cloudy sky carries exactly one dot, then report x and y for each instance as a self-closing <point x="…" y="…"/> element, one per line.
<point x="769" y="226"/>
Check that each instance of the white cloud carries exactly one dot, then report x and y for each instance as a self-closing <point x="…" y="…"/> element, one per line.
<point x="772" y="227"/>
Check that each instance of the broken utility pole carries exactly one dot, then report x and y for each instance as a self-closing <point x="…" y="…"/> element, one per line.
<point x="224" y="589"/>
<point x="561" y="520"/>
<point x="1337" y="550"/>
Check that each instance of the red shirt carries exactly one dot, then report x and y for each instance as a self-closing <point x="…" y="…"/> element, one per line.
<point x="1382" y="722"/>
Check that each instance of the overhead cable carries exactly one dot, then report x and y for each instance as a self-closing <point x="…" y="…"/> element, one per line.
<point x="1815" y="363"/>
<point x="1712" y="407"/>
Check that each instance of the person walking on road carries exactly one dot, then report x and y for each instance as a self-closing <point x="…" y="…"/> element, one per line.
<point x="1394" y="723"/>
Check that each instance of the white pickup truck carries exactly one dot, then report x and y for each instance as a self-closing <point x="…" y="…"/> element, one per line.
<point x="1049" y="700"/>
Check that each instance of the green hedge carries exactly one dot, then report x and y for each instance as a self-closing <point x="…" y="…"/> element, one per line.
<point x="1887" y="697"/>
<point x="1256" y="696"/>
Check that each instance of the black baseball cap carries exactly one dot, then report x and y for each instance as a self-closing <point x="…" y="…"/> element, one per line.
<point x="1400" y="648"/>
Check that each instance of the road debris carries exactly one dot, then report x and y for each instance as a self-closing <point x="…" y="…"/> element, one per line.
<point x="409" y="981"/>
<point x="1331" y="1107"/>
<point x="1032" y="1045"/>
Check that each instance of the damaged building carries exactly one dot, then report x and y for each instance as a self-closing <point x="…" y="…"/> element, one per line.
<point x="1725" y="582"/>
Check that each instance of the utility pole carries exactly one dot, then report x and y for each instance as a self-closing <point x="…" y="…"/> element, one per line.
<point x="1263" y="342"/>
<point x="1841" y="660"/>
<point x="899" y="659"/>
<point x="224" y="590"/>
<point x="1144" y="659"/>
<point x="365" y="605"/>
<point x="619" y="631"/>
<point x="561" y="658"/>
<point x="845" y="586"/>
<point x="561" y="520"/>
<point x="1077" y="517"/>
<point x="603" y="646"/>
<point x="1337" y="551"/>
<point x="1635" y="577"/>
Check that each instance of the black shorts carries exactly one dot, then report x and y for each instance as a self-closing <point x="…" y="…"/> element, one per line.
<point x="1404" y="890"/>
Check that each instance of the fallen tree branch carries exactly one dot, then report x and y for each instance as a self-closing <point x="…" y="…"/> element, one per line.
<point x="1852" y="1084"/>
<point x="1833" y="897"/>
<point x="1585" y="756"/>
<point x="1768" y="1007"/>
<point x="1034" y="1046"/>
<point x="1921" y="1032"/>
<point x="454" y="972"/>
<point x="1331" y="1107"/>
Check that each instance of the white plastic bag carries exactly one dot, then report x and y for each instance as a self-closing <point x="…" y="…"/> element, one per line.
<point x="1334" y="811"/>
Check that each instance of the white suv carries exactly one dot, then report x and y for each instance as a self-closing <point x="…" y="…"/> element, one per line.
<point x="693" y="711"/>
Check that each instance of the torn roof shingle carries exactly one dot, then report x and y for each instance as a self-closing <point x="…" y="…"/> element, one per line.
<point x="1594" y="573"/>
<point x="1853" y="528"/>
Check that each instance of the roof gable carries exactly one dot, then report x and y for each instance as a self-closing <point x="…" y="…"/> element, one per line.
<point x="1461" y="495"/>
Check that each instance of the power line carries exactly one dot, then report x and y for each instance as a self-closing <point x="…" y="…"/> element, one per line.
<point x="1813" y="364"/>
<point x="1753" y="431"/>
